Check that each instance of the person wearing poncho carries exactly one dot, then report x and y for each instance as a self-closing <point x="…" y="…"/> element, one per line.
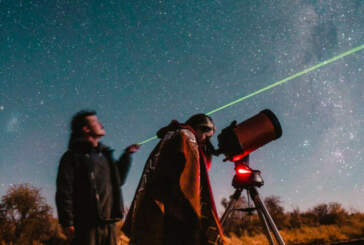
<point x="173" y="204"/>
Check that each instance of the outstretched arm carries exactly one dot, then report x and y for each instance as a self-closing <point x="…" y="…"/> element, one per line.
<point x="125" y="160"/>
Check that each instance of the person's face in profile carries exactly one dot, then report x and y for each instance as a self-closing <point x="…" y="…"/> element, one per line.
<point x="205" y="132"/>
<point x="94" y="127"/>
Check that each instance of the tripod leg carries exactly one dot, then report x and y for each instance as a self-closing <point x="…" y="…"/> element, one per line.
<point x="230" y="208"/>
<point x="262" y="208"/>
<point x="265" y="226"/>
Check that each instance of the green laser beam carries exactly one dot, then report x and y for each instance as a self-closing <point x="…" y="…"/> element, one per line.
<point x="288" y="79"/>
<point x="349" y="52"/>
<point x="147" y="140"/>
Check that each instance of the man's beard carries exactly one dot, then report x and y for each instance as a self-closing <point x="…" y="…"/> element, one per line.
<point x="209" y="150"/>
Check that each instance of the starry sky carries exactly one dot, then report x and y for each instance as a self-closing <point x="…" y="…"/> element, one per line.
<point x="140" y="64"/>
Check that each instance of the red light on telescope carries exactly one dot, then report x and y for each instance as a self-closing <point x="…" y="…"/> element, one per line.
<point x="242" y="170"/>
<point x="246" y="177"/>
<point x="238" y="157"/>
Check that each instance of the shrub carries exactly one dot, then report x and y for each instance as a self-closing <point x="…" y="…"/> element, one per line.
<point x="24" y="216"/>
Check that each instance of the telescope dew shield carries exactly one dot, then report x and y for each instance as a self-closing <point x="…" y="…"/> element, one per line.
<point x="239" y="140"/>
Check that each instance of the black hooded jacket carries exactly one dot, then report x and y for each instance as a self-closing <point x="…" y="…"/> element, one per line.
<point x="78" y="199"/>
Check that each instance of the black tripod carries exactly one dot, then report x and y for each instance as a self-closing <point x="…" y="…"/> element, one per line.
<point x="250" y="181"/>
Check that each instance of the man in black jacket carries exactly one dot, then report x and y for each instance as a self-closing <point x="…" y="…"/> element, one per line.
<point x="88" y="195"/>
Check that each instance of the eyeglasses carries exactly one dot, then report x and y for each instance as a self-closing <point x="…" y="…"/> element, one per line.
<point x="206" y="128"/>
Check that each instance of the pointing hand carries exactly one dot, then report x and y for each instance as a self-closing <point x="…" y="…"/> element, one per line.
<point x="132" y="148"/>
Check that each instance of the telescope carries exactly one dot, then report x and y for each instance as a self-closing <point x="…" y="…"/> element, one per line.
<point x="239" y="140"/>
<point x="236" y="142"/>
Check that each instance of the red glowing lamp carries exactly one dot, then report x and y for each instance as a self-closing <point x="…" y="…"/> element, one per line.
<point x="242" y="170"/>
<point x="246" y="177"/>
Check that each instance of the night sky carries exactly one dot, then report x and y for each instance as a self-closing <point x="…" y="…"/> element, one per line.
<point x="140" y="64"/>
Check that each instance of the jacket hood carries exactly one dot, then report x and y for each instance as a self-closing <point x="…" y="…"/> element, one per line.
<point x="173" y="126"/>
